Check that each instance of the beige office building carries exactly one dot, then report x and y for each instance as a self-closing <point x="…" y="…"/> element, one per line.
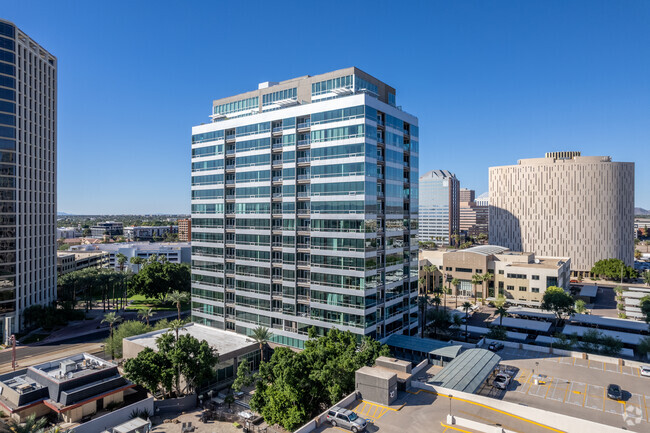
<point x="520" y="277"/>
<point x="564" y="205"/>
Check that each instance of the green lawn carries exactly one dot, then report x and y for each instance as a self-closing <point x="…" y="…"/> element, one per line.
<point x="139" y="302"/>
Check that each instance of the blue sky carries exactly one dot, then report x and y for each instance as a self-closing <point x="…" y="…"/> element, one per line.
<point x="491" y="82"/>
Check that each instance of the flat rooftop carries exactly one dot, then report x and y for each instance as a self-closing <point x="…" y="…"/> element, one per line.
<point x="72" y="367"/>
<point x="223" y="341"/>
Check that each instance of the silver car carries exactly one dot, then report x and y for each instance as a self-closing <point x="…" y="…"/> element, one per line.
<point x="338" y="416"/>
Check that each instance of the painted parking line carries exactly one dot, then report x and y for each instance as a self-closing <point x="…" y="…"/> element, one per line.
<point x="560" y="389"/>
<point x="579" y="362"/>
<point x="646" y="404"/>
<point x="630" y="371"/>
<point x="614" y="406"/>
<point x="612" y="368"/>
<point x="541" y="390"/>
<point x="567" y="360"/>
<point x="635" y="407"/>
<point x="596" y="365"/>
<point x="594" y="397"/>
<point x="576" y="393"/>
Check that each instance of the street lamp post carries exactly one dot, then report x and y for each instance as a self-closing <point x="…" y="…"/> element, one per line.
<point x="450" y="397"/>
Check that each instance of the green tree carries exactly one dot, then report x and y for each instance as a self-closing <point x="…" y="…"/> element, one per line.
<point x="487" y="277"/>
<point x="500" y="301"/>
<point x="502" y="312"/>
<point x="590" y="340"/>
<point x="262" y="336"/>
<point x="138" y="261"/>
<point x="121" y="261"/>
<point x="646" y="277"/>
<point x="498" y="333"/>
<point x="437" y="319"/>
<point x="31" y="425"/>
<point x="644" y="303"/>
<point x="146" y="314"/>
<point x="129" y="328"/>
<point x="613" y="269"/>
<point x="152" y="370"/>
<point x="559" y="302"/>
<point x="423" y="303"/>
<point x="610" y="346"/>
<point x="476" y="280"/>
<point x="243" y="378"/>
<point x="112" y="319"/>
<point x="294" y="386"/>
<point x="644" y="346"/>
<point x="456" y="282"/>
<point x="156" y="279"/>
<point x="177" y="298"/>
<point x="580" y="307"/>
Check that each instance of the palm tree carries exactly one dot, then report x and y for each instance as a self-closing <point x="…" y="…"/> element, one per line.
<point x="421" y="283"/>
<point x="446" y="291"/>
<point x="31" y="425"/>
<point x="580" y="306"/>
<point x="466" y="307"/>
<point x="423" y="302"/>
<point x="646" y="277"/>
<point x="436" y="301"/>
<point x="112" y="319"/>
<point x="139" y="261"/>
<point x="146" y="313"/>
<point x="487" y="277"/>
<point x="476" y="280"/>
<point x="262" y="335"/>
<point x="176" y="326"/>
<point x="456" y="282"/>
<point x="121" y="260"/>
<point x="432" y="270"/>
<point x="501" y="312"/>
<point x="177" y="298"/>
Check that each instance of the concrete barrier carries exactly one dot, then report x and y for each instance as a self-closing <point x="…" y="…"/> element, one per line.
<point x="485" y="428"/>
<point x="532" y="348"/>
<point x="175" y="405"/>
<point x="418" y="368"/>
<point x="117" y="417"/>
<point x="560" y="422"/>
<point x="321" y="418"/>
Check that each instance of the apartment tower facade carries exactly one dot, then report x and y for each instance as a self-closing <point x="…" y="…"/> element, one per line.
<point x="28" y="97"/>
<point x="304" y="210"/>
<point x="439" y="207"/>
<point x="565" y="205"/>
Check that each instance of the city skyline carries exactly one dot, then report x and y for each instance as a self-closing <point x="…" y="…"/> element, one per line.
<point x="488" y="79"/>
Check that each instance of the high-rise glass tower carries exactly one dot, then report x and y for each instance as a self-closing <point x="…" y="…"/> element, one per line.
<point x="439" y="207"/>
<point x="304" y="210"/>
<point x="27" y="175"/>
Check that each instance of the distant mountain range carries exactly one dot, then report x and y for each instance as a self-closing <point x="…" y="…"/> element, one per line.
<point x="62" y="213"/>
<point x="641" y="211"/>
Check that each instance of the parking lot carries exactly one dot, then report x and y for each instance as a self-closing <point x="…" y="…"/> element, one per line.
<point x="576" y="387"/>
<point x="421" y="411"/>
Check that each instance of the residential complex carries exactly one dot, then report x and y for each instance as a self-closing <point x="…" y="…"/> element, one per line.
<point x="522" y="278"/>
<point x="28" y="122"/>
<point x="565" y="205"/>
<point x="174" y="252"/>
<point x="439" y="215"/>
<point x="108" y="228"/>
<point x="185" y="230"/>
<point x="304" y="210"/>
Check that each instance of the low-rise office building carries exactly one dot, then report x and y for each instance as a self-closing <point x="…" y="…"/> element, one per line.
<point x="520" y="277"/>
<point x="232" y="349"/>
<point x="68" y="232"/>
<point x="70" y="261"/>
<point x="175" y="252"/>
<point x="108" y="228"/>
<point x="73" y="388"/>
<point x="148" y="233"/>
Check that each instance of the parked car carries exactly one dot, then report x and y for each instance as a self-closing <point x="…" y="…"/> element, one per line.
<point x="614" y="392"/>
<point x="495" y="346"/>
<point x="645" y="370"/>
<point x="338" y="416"/>
<point x="501" y="381"/>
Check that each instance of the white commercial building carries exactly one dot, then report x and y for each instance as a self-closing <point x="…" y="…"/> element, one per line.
<point x="175" y="252"/>
<point x="439" y="212"/>
<point x="145" y="233"/>
<point x="28" y="128"/>
<point x="565" y="205"/>
<point x="68" y="233"/>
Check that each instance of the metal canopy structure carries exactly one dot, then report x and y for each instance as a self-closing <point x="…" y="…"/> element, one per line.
<point x="528" y="325"/>
<point x="468" y="371"/>
<point x="424" y="345"/>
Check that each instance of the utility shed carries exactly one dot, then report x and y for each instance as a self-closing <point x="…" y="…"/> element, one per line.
<point x="378" y="385"/>
<point x="468" y="371"/>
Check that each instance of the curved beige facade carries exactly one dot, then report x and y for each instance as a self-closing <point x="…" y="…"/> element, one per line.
<point x="564" y="206"/>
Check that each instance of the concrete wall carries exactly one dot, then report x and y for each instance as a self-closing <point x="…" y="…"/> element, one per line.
<point x="550" y="419"/>
<point x="175" y="405"/>
<point x="418" y="368"/>
<point x="382" y="390"/>
<point x="116" y="417"/>
<point x="321" y="418"/>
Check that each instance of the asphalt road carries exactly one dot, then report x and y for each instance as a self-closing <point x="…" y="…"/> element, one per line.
<point x="30" y="355"/>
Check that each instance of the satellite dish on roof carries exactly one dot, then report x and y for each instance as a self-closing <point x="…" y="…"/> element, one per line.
<point x="537" y="261"/>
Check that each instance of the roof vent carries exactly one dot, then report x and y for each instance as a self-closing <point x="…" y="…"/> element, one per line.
<point x="266" y="84"/>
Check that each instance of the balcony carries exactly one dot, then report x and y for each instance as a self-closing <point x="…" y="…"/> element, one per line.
<point x="304" y="160"/>
<point x="277" y="163"/>
<point x="304" y="125"/>
<point x="305" y="142"/>
<point x="277" y="129"/>
<point x="304" y="194"/>
<point x="303" y="263"/>
<point x="230" y="182"/>
<point x="277" y="145"/>
<point x="277" y="179"/>
<point x="304" y="211"/>
<point x="304" y="177"/>
<point x="230" y="152"/>
<point x="230" y="137"/>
